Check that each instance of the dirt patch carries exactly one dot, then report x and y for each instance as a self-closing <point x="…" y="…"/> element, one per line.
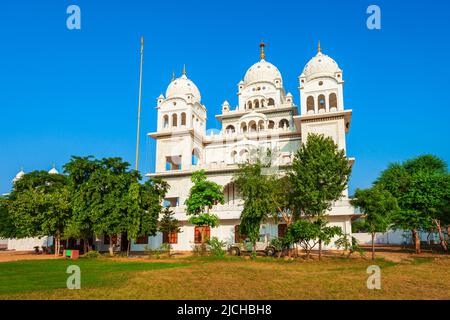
<point x="6" y="256"/>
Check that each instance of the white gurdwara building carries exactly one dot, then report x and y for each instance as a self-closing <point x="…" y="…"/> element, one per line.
<point x="265" y="117"/>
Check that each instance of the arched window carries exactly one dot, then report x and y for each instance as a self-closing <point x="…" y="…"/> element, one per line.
<point x="183" y="119"/>
<point x="233" y="156"/>
<point x="284" y="124"/>
<point x="256" y="102"/>
<point x="243" y="155"/>
<point x="174" y="120"/>
<point x="165" y="121"/>
<point x="321" y="103"/>
<point x="310" y="104"/>
<point x="229" y="129"/>
<point x="243" y="127"/>
<point x="195" y="156"/>
<point x="271" y="102"/>
<point x="263" y="103"/>
<point x="271" y="124"/>
<point x="252" y="126"/>
<point x="249" y="104"/>
<point x="332" y="100"/>
<point x="261" y="125"/>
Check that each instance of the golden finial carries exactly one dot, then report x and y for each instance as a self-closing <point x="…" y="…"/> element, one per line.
<point x="262" y="45"/>
<point x="184" y="69"/>
<point x="318" y="47"/>
<point x="173" y="75"/>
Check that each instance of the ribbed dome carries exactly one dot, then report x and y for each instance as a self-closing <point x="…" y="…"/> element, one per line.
<point x="53" y="171"/>
<point x="19" y="175"/>
<point x="181" y="87"/>
<point x="320" y="66"/>
<point x="262" y="71"/>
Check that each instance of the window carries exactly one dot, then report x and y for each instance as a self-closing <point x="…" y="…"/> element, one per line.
<point x="271" y="102"/>
<point x="173" y="163"/>
<point x="198" y="234"/>
<point x="170" y="237"/>
<point x="252" y="126"/>
<point x="333" y="101"/>
<point x="310" y="104"/>
<point x="256" y="103"/>
<point x="271" y="124"/>
<point x="195" y="157"/>
<point x="321" y="102"/>
<point x="174" y="120"/>
<point x="282" y="230"/>
<point x="171" y="202"/>
<point x="283" y="124"/>
<point x="165" y="121"/>
<point x="229" y="129"/>
<point x="183" y="119"/>
<point x="106" y="239"/>
<point x="142" y="239"/>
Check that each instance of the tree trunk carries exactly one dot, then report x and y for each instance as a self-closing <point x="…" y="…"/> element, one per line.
<point x="57" y="241"/>
<point x="128" y="248"/>
<point x="373" y="245"/>
<point x="111" y="251"/>
<point x="86" y="245"/>
<point x="320" y="249"/>
<point x="416" y="239"/>
<point x="441" y="235"/>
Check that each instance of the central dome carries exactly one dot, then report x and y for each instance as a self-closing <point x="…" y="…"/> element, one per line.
<point x="262" y="71"/>
<point x="181" y="87"/>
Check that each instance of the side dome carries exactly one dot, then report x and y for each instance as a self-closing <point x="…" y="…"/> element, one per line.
<point x="18" y="176"/>
<point x="262" y="71"/>
<point x="181" y="88"/>
<point x="320" y="66"/>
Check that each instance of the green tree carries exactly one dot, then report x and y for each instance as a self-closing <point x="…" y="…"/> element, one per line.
<point x="39" y="205"/>
<point x="258" y="193"/>
<point x="421" y="187"/>
<point x="318" y="177"/>
<point x="168" y="224"/>
<point x="378" y="207"/>
<point x="203" y="195"/>
<point x="305" y="233"/>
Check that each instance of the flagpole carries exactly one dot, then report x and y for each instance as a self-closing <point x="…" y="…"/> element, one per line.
<point x="139" y="106"/>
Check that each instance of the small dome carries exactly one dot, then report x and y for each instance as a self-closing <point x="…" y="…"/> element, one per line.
<point x="19" y="175"/>
<point x="181" y="87"/>
<point x="320" y="66"/>
<point x="53" y="171"/>
<point x="262" y="71"/>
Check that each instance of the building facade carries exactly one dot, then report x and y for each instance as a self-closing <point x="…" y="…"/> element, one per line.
<point x="265" y="117"/>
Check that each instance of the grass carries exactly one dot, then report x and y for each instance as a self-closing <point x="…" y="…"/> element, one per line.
<point x="44" y="275"/>
<point x="228" y="278"/>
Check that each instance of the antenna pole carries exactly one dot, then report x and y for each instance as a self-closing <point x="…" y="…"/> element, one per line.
<point x="139" y="106"/>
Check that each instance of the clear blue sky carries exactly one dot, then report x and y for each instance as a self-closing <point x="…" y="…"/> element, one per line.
<point x="66" y="93"/>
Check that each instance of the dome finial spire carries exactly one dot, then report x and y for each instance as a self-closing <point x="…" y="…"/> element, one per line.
<point x="184" y="69"/>
<point x="319" y="50"/>
<point x="262" y="45"/>
<point x="173" y="76"/>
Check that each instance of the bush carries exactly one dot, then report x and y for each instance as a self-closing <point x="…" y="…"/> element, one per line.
<point x="92" y="254"/>
<point x="216" y="247"/>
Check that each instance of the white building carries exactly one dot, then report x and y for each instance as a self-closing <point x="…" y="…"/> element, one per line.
<point x="265" y="116"/>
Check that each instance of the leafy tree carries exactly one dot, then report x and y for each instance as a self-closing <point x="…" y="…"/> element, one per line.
<point x="421" y="187"/>
<point x="258" y="193"/>
<point x="318" y="177"/>
<point x="378" y="207"/>
<point x="168" y="224"/>
<point x="202" y="196"/>
<point x="39" y="205"/>
<point x="304" y="232"/>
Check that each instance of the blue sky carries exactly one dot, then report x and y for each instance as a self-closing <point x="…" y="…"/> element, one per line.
<point x="74" y="92"/>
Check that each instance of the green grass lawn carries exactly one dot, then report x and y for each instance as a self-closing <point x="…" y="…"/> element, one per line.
<point x="43" y="275"/>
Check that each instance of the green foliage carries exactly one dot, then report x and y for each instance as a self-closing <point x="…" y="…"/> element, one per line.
<point x="168" y="223"/>
<point x="350" y="246"/>
<point x="216" y="247"/>
<point x="319" y="175"/>
<point x="92" y="254"/>
<point x="203" y="194"/>
<point x="303" y="232"/>
<point x="377" y="206"/>
<point x="359" y="225"/>
<point x="205" y="219"/>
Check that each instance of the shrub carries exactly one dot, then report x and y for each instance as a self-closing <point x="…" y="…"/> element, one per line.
<point x="92" y="254"/>
<point x="216" y="247"/>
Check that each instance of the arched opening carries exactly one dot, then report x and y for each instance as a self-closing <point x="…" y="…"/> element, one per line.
<point x="263" y="103"/>
<point x="252" y="126"/>
<point x="284" y="124"/>
<point x="165" y="121"/>
<point x="243" y="127"/>
<point x="234" y="156"/>
<point x="332" y="100"/>
<point x="249" y="105"/>
<point x="195" y="157"/>
<point x="261" y="125"/>
<point x="183" y="119"/>
<point x="271" y="102"/>
<point x="310" y="104"/>
<point x="256" y="103"/>
<point x="321" y="103"/>
<point x="271" y="124"/>
<point x="174" y="120"/>
<point x="243" y="155"/>
<point x="229" y="129"/>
